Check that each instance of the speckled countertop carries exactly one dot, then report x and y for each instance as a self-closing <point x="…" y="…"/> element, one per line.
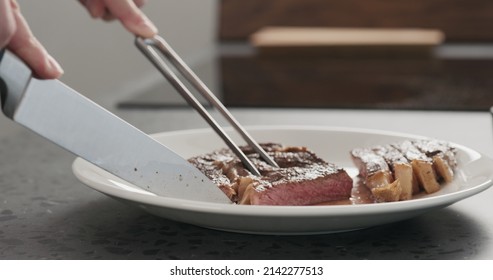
<point x="46" y="213"/>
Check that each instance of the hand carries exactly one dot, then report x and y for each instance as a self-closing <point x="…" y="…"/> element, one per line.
<point x="126" y="11"/>
<point x="16" y="36"/>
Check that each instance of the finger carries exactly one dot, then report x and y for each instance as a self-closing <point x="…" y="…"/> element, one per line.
<point x="108" y="16"/>
<point x="30" y="50"/>
<point x="84" y="3"/>
<point x="131" y="17"/>
<point x="7" y="23"/>
<point x="139" y="3"/>
<point x="96" y="8"/>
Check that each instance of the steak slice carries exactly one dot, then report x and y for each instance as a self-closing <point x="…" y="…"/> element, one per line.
<point x="407" y="166"/>
<point x="372" y="168"/>
<point x="376" y="175"/>
<point x="422" y="166"/>
<point x="442" y="155"/>
<point x="401" y="168"/>
<point x="301" y="179"/>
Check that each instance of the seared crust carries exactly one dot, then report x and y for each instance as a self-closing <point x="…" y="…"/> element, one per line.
<point x="369" y="163"/>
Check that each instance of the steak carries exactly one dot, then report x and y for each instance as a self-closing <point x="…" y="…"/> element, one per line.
<point x="397" y="171"/>
<point x="301" y="179"/>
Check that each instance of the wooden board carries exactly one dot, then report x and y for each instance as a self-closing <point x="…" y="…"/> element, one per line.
<point x="337" y="41"/>
<point x="460" y="20"/>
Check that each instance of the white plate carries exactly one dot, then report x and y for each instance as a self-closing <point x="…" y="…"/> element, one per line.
<point x="474" y="175"/>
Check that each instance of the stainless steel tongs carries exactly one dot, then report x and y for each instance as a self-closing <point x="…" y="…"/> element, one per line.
<point x="149" y="46"/>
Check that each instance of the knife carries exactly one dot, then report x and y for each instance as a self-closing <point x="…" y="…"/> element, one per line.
<point x="70" y="120"/>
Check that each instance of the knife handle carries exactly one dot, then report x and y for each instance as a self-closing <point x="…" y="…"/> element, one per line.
<point x="14" y="79"/>
<point x="3" y="87"/>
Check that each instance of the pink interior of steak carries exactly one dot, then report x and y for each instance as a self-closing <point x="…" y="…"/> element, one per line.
<point x="302" y="179"/>
<point x="326" y="186"/>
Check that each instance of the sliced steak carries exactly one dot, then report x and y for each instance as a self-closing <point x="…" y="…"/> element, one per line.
<point x="302" y="179"/>
<point x="422" y="166"/>
<point x="442" y="155"/>
<point x="372" y="168"/>
<point x="412" y="165"/>
<point x="401" y="168"/>
<point x="376" y="174"/>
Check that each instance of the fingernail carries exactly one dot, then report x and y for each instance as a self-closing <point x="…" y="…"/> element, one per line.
<point x="148" y="28"/>
<point x="55" y="66"/>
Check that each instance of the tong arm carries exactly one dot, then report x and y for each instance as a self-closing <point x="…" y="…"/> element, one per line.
<point x="149" y="46"/>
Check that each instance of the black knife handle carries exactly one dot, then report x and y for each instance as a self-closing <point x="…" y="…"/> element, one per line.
<point x="14" y="78"/>
<point x="3" y="86"/>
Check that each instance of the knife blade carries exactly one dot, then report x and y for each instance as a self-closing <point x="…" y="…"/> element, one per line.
<point x="74" y="122"/>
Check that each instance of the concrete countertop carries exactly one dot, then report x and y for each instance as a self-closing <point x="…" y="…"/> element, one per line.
<point x="46" y="213"/>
